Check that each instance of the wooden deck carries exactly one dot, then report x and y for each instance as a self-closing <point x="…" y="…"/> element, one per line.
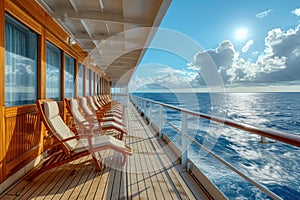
<point x="152" y="172"/>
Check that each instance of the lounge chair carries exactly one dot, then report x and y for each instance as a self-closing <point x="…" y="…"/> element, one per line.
<point x="68" y="146"/>
<point x="89" y="113"/>
<point x="108" y="104"/>
<point x="102" y="112"/>
<point x="92" y="122"/>
<point x="108" y="112"/>
<point x="95" y="113"/>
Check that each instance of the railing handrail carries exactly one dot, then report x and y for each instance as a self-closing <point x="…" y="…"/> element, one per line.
<point x="281" y="136"/>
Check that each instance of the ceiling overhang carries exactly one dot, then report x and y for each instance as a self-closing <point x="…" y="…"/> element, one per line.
<point x="114" y="33"/>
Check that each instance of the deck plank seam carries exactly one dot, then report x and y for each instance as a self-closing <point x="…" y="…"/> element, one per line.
<point x="142" y="128"/>
<point x="165" y="169"/>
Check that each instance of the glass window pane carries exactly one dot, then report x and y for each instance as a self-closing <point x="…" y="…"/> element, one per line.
<point x="92" y="83"/>
<point x="80" y="79"/>
<point x="20" y="63"/>
<point x="97" y="84"/>
<point x="69" y="76"/>
<point x="87" y="82"/>
<point x="53" y="73"/>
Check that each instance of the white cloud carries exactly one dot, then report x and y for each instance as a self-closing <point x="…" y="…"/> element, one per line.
<point x="247" y="46"/>
<point x="264" y="13"/>
<point x="296" y="12"/>
<point x="279" y="61"/>
<point x="223" y="56"/>
<point x="168" y="78"/>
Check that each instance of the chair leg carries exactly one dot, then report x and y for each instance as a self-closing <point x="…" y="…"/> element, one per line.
<point x="121" y="136"/>
<point x="98" y="165"/>
<point x="124" y="159"/>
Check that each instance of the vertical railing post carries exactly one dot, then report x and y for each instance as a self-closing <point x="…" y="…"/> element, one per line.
<point x="184" y="147"/>
<point x="140" y="105"/>
<point x="145" y="109"/>
<point x="137" y="103"/>
<point x="263" y="139"/>
<point x="150" y="113"/>
<point x="133" y="99"/>
<point x="160" y="120"/>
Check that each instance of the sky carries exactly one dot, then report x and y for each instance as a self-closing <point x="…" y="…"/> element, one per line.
<point x="236" y="46"/>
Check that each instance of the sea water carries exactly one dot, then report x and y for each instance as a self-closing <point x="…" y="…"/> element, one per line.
<point x="273" y="164"/>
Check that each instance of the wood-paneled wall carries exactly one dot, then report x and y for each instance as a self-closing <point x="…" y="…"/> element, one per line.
<point x="2" y="85"/>
<point x="22" y="135"/>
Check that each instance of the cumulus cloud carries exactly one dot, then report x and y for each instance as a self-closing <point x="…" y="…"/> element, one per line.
<point x="280" y="60"/>
<point x="223" y="56"/>
<point x="175" y="78"/>
<point x="296" y="12"/>
<point x="167" y="78"/>
<point x="247" y="46"/>
<point x="263" y="14"/>
<point x="221" y="59"/>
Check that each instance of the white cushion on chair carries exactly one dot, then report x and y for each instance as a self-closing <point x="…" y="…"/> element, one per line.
<point x="113" y="119"/>
<point x="92" y="103"/>
<point x="112" y="125"/>
<point x="75" y="111"/>
<point x="58" y="125"/>
<point x="51" y="109"/>
<point x="85" y="107"/>
<point x="99" y="141"/>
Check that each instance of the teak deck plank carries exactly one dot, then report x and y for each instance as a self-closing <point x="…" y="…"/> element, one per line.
<point x="63" y="187"/>
<point x="152" y="172"/>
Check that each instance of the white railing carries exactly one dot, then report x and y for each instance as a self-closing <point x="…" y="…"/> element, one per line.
<point x="141" y="105"/>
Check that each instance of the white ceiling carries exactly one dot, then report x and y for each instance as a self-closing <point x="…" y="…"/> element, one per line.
<point x="114" y="33"/>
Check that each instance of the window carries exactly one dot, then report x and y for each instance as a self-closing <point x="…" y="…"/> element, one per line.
<point x="92" y="82"/>
<point x="97" y="84"/>
<point x="53" y="76"/>
<point x="20" y="63"/>
<point x="69" y="76"/>
<point x="80" y="79"/>
<point x="87" y="81"/>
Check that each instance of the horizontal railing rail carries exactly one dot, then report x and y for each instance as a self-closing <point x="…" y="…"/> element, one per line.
<point x="281" y="136"/>
<point x="288" y="138"/>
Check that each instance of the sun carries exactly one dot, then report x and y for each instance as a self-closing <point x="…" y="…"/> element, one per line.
<point x="241" y="34"/>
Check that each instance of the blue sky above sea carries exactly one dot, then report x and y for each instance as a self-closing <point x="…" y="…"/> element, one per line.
<point x="224" y="45"/>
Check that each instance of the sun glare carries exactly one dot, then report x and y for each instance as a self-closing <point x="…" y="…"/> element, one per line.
<point x="241" y="34"/>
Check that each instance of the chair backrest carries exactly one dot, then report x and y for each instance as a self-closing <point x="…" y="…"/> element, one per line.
<point x="84" y="106"/>
<point x="96" y="101"/>
<point x="101" y="100"/>
<point x="54" y="124"/>
<point x="92" y="103"/>
<point x="74" y="108"/>
<point x="106" y="98"/>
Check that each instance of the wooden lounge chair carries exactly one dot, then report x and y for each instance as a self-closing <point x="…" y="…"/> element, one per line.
<point x="103" y="113"/>
<point x="99" y="115"/>
<point x="92" y="122"/>
<point x="89" y="113"/>
<point x="108" y="104"/>
<point x="67" y="146"/>
<point x="108" y="112"/>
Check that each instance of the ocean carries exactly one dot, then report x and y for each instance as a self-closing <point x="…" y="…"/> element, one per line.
<point x="275" y="165"/>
